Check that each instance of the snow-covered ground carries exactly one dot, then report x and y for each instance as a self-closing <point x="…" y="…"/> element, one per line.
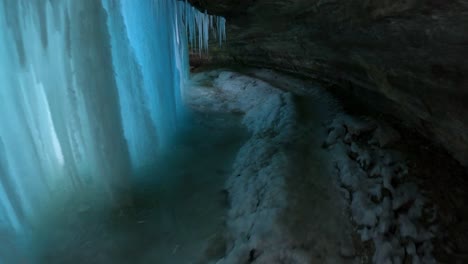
<point x="387" y="208"/>
<point x="313" y="184"/>
<point x="284" y="207"/>
<point x="307" y="183"/>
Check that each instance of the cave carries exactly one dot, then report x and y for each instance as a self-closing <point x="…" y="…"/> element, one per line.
<point x="233" y="131"/>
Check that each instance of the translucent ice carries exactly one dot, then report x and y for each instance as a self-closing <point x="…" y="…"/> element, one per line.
<point x="90" y="90"/>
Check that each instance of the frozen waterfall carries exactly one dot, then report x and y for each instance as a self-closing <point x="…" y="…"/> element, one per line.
<point x="149" y="48"/>
<point x="89" y="92"/>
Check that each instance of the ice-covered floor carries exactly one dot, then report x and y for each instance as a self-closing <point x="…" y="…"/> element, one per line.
<point x="285" y="207"/>
<point x="178" y="212"/>
<point x="314" y="184"/>
<point x="262" y="176"/>
<point x="256" y="192"/>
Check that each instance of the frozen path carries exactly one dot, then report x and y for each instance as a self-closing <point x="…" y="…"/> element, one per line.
<point x="285" y="207"/>
<point x="306" y="184"/>
<point x="314" y="184"/>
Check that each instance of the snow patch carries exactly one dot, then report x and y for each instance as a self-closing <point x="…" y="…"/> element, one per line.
<point x="386" y="208"/>
<point x="262" y="214"/>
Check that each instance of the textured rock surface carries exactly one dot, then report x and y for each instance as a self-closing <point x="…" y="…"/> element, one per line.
<point x="403" y="57"/>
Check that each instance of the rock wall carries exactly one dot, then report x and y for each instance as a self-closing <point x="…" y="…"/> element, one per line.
<point x="406" y="58"/>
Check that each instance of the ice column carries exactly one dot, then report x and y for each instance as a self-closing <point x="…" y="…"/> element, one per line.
<point x="90" y="91"/>
<point x="60" y="124"/>
<point x="150" y="59"/>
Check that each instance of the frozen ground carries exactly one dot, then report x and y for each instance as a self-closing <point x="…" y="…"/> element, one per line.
<point x="284" y="207"/>
<point x="261" y="176"/>
<point x="313" y="184"/>
<point x="178" y="211"/>
<point x="386" y="206"/>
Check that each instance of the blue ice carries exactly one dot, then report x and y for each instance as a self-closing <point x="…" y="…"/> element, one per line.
<point x="90" y="92"/>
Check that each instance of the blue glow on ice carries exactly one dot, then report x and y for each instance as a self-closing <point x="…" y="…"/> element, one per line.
<point x="150" y="58"/>
<point x="90" y="91"/>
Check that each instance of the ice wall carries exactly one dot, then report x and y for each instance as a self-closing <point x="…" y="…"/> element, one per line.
<point x="150" y="58"/>
<point x="90" y="91"/>
<point x="60" y="126"/>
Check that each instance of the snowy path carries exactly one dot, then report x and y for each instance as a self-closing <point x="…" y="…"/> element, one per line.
<point x="297" y="189"/>
<point x="313" y="184"/>
<point x="285" y="207"/>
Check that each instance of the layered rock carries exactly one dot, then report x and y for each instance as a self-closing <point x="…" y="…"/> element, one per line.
<point x="405" y="58"/>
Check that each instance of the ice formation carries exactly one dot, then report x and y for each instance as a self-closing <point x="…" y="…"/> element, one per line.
<point x="90" y="91"/>
<point x="199" y="25"/>
<point x="154" y="55"/>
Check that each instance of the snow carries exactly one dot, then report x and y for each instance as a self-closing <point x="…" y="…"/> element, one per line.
<point x="393" y="219"/>
<point x="385" y="206"/>
<point x="280" y="212"/>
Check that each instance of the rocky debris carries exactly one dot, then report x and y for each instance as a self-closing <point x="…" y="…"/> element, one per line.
<point x="385" y="206"/>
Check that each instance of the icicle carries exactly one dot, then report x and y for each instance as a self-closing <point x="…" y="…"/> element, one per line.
<point x="199" y="26"/>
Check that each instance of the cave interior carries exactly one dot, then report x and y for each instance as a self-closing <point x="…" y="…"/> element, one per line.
<point x="233" y="131"/>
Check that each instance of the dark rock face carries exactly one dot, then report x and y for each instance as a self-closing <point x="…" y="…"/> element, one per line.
<point x="408" y="58"/>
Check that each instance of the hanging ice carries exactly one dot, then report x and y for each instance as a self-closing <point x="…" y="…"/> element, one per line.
<point x="150" y="58"/>
<point x="89" y="91"/>
<point x="198" y="26"/>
